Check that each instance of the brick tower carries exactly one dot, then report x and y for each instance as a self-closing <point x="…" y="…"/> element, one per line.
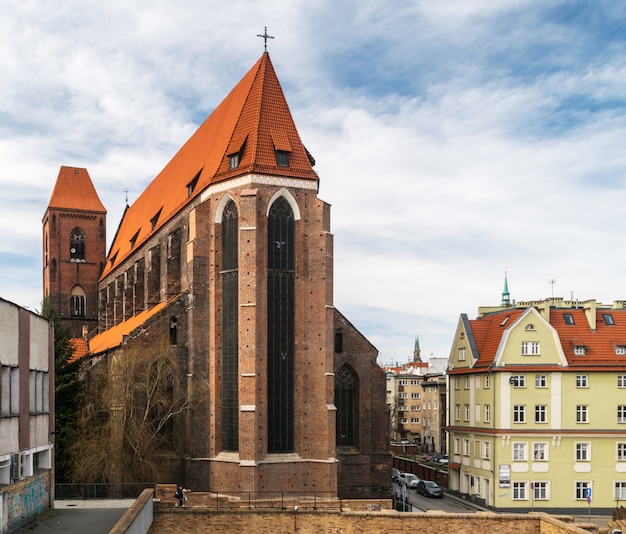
<point x="74" y="249"/>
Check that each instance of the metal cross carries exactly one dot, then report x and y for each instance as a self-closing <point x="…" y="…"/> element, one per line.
<point x="126" y="191"/>
<point x="265" y="37"/>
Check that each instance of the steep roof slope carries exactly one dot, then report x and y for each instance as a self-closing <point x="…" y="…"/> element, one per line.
<point x="74" y="190"/>
<point x="599" y="342"/>
<point x="253" y="120"/>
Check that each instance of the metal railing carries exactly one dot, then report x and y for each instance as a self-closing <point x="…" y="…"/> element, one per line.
<point x="101" y="490"/>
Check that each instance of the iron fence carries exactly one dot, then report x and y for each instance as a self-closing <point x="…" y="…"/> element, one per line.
<point x="101" y="490"/>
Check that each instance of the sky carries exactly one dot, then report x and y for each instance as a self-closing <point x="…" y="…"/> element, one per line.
<point x="455" y="140"/>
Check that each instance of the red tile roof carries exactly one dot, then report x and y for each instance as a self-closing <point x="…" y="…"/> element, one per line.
<point x="487" y="332"/>
<point x="254" y="119"/>
<point x="599" y="343"/>
<point x="114" y="336"/>
<point x="80" y="348"/>
<point x="74" y="190"/>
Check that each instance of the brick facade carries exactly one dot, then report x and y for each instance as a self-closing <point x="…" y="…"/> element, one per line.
<point x="171" y="272"/>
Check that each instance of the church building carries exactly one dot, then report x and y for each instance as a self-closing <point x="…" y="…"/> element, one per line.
<point x="226" y="260"/>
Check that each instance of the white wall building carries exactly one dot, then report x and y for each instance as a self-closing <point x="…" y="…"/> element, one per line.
<point x="26" y="415"/>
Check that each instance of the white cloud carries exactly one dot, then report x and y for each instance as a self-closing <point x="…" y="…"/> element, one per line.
<point x="452" y="139"/>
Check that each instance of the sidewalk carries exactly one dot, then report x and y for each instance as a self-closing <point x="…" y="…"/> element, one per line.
<point x="95" y="516"/>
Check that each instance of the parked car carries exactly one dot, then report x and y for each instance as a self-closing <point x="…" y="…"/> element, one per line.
<point x="410" y="480"/>
<point x="429" y="488"/>
<point x="444" y="459"/>
<point x="395" y="475"/>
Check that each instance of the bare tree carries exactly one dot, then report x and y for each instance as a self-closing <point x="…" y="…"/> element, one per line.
<point x="127" y="422"/>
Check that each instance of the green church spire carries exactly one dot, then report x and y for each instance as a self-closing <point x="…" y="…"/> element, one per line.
<point x="416" y="350"/>
<point x="506" y="300"/>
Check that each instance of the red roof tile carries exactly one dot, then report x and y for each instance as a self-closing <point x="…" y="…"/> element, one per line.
<point x="114" y="336"/>
<point x="599" y="343"/>
<point x="254" y="116"/>
<point x="74" y="190"/>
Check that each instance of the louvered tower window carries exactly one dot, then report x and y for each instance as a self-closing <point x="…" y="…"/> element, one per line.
<point x="77" y="245"/>
<point x="280" y="327"/>
<point x="230" y="329"/>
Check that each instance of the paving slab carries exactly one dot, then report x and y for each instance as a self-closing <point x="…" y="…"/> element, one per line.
<point x="96" y="516"/>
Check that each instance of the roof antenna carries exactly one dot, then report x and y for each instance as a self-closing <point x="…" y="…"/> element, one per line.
<point x="552" y="282"/>
<point x="265" y="37"/>
<point x="126" y="191"/>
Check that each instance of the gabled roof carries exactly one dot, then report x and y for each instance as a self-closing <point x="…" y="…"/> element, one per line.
<point x="487" y="332"/>
<point x="74" y="190"/>
<point x="577" y="331"/>
<point x="254" y="121"/>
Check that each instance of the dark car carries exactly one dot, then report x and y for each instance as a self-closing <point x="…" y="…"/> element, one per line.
<point x="428" y="488"/>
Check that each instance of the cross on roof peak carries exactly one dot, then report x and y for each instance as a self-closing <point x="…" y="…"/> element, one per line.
<point x="265" y="37"/>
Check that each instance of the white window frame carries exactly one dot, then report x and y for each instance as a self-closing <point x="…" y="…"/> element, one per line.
<point x="620" y="451"/>
<point x="621" y="413"/>
<point x="540" y="451"/>
<point x="462" y="354"/>
<point x="518" y="381"/>
<point x="457" y="445"/>
<point x="621" y="381"/>
<point x="619" y="490"/>
<point x="466" y="447"/>
<point x="519" y="451"/>
<point x="580" y="487"/>
<point x="486" y="450"/>
<point x="487" y="381"/>
<point x="457" y="383"/>
<point x="541" y="413"/>
<point x="519" y="490"/>
<point x="582" y="414"/>
<point x="541" y="490"/>
<point x="530" y="348"/>
<point x="541" y="381"/>
<point x="487" y="413"/>
<point x="519" y="413"/>
<point x="582" y="451"/>
<point x="466" y="412"/>
<point x="467" y="383"/>
<point x="582" y="381"/>
<point x="457" y="412"/>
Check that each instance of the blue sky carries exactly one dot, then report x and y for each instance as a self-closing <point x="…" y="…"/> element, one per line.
<point x="453" y="139"/>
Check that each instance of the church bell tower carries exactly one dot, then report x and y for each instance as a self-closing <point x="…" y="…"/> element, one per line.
<point x="74" y="241"/>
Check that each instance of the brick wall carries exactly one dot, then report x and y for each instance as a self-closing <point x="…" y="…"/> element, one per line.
<point x="180" y="521"/>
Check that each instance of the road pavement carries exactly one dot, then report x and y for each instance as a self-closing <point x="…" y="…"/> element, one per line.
<point x="95" y="516"/>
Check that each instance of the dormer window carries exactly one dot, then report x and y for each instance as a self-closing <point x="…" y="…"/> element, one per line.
<point x="620" y="350"/>
<point x="233" y="160"/>
<point x="133" y="239"/>
<point x="154" y="220"/>
<point x="191" y="186"/>
<point x="282" y="158"/>
<point x="580" y="350"/>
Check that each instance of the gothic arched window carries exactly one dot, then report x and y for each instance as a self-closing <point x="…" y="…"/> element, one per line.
<point x="280" y="327"/>
<point x="230" y="328"/>
<point x="77" y="245"/>
<point x="77" y="302"/>
<point x="346" y="402"/>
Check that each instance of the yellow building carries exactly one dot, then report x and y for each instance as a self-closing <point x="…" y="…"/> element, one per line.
<point x="537" y="406"/>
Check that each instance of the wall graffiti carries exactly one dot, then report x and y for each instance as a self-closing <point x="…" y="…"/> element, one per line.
<point x="28" y="501"/>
